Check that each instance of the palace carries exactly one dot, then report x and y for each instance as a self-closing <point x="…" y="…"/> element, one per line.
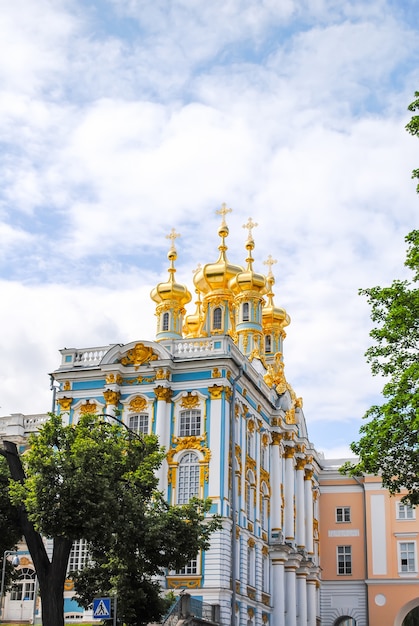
<point x="300" y="545"/>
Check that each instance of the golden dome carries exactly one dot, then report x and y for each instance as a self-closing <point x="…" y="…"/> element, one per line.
<point x="171" y="291"/>
<point x="248" y="280"/>
<point x="215" y="277"/>
<point x="273" y="316"/>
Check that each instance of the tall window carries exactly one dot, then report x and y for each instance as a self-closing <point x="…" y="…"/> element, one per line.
<point x="250" y="441"/>
<point x="165" y="323"/>
<point x="343" y="514"/>
<point x="344" y="560"/>
<point x="407" y="560"/>
<point x="78" y="556"/>
<point x="405" y="511"/>
<point x="268" y="343"/>
<point x="139" y="423"/>
<point x="245" y="312"/>
<point x="188" y="482"/>
<point x="265" y="573"/>
<point x="24" y="587"/>
<point x="216" y="318"/>
<point x="250" y="566"/>
<point x="190" y="423"/>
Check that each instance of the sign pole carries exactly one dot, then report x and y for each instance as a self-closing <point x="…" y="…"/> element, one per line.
<point x="115" y="605"/>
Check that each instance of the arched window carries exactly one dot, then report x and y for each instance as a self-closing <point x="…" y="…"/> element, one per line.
<point x="190" y="423"/>
<point x="250" y="495"/>
<point x="165" y="321"/>
<point x="188" y="480"/>
<point x="264" y="506"/>
<point x="216" y="318"/>
<point x="24" y="587"/>
<point x="345" y="621"/>
<point x="265" y="574"/>
<point x="245" y="312"/>
<point x="268" y="343"/>
<point x="139" y="423"/>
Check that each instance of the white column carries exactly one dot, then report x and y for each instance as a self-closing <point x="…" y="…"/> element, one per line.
<point x="290" y="596"/>
<point x="300" y="513"/>
<point x="278" y="592"/>
<point x="308" y="501"/>
<point x="301" y="599"/>
<point x="276" y="485"/>
<point x="164" y="396"/>
<point x="289" y="493"/>
<point x="219" y="458"/>
<point x="311" y="602"/>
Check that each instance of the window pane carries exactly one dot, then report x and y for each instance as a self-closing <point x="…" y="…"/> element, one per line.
<point x="188" y="483"/>
<point x="217" y="319"/>
<point x="190" y="423"/>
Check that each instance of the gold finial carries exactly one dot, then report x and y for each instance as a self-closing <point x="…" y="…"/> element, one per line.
<point x="223" y="211"/>
<point x="249" y="225"/>
<point x="198" y="267"/>
<point x="270" y="261"/>
<point x="172" y="235"/>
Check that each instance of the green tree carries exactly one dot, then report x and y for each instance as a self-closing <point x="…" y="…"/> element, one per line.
<point x="413" y="127"/>
<point x="97" y="481"/>
<point x="10" y="532"/>
<point x="389" y="443"/>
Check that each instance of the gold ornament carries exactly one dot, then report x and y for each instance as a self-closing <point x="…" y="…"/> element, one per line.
<point x="137" y="404"/>
<point x="139" y="355"/>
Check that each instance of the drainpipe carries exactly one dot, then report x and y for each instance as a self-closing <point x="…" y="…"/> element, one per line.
<point x="362" y="485"/>
<point x="233" y="497"/>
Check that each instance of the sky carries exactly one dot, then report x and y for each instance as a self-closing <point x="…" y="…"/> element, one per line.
<point x="123" y="119"/>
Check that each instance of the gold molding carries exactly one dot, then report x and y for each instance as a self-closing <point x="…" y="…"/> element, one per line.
<point x="65" y="404"/>
<point x="139" y="355"/>
<point x="163" y="393"/>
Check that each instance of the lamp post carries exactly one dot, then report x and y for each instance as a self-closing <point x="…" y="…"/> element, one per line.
<point x="15" y="562"/>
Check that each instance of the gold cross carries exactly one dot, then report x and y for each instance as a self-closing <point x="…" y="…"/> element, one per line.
<point x="172" y="235"/>
<point x="223" y="211"/>
<point x="270" y="261"/>
<point x="250" y="224"/>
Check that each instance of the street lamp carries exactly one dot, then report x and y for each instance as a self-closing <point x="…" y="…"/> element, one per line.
<point x="15" y="562"/>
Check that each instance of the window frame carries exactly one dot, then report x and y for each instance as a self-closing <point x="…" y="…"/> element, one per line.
<point x="143" y="420"/>
<point x="217" y="320"/>
<point x="409" y="513"/>
<point x="410" y="568"/>
<point x="165" y="321"/>
<point x="188" y="479"/>
<point x="344" y="563"/>
<point x="190" y="422"/>
<point x="345" y="513"/>
<point x="245" y="312"/>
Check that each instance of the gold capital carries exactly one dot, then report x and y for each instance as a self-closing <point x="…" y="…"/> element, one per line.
<point x="111" y="397"/>
<point x="163" y="393"/>
<point x="65" y="404"/>
<point x="216" y="392"/>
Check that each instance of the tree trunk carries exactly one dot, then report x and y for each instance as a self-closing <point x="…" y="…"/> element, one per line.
<point x="51" y="574"/>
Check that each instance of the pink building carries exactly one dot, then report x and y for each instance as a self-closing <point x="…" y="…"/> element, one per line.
<point x="369" y="560"/>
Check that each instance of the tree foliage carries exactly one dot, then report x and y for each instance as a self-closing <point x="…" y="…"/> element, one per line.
<point x="413" y="127"/>
<point x="10" y="531"/>
<point x="390" y="438"/>
<point x="389" y="443"/>
<point x="97" y="481"/>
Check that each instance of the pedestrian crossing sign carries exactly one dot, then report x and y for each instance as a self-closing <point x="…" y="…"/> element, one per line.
<point x="102" y="608"/>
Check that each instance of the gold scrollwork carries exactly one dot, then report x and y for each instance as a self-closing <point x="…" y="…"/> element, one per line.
<point x="139" y="355"/>
<point x="163" y="393"/>
<point x="89" y="407"/>
<point x="137" y="404"/>
<point x="216" y="392"/>
<point x="189" y="401"/>
<point x="111" y="397"/>
<point x="65" y="404"/>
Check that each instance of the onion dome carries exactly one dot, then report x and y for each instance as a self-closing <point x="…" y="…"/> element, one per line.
<point x="215" y="277"/>
<point x="248" y="280"/>
<point x="171" y="292"/>
<point x="193" y="321"/>
<point x="273" y="317"/>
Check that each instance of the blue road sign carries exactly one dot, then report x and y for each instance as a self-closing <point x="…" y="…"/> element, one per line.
<point x="102" y="608"/>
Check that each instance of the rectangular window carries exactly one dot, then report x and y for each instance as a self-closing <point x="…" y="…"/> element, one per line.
<point x="343" y="514"/>
<point x="344" y="560"/>
<point x="407" y="550"/>
<point x="190" y="423"/>
<point x="190" y="569"/>
<point x="139" y="423"/>
<point x="78" y="556"/>
<point x="405" y="511"/>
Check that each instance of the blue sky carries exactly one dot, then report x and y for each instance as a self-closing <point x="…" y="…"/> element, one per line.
<point x="122" y="119"/>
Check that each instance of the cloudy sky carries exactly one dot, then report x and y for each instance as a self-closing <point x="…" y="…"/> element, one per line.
<point x="121" y="119"/>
